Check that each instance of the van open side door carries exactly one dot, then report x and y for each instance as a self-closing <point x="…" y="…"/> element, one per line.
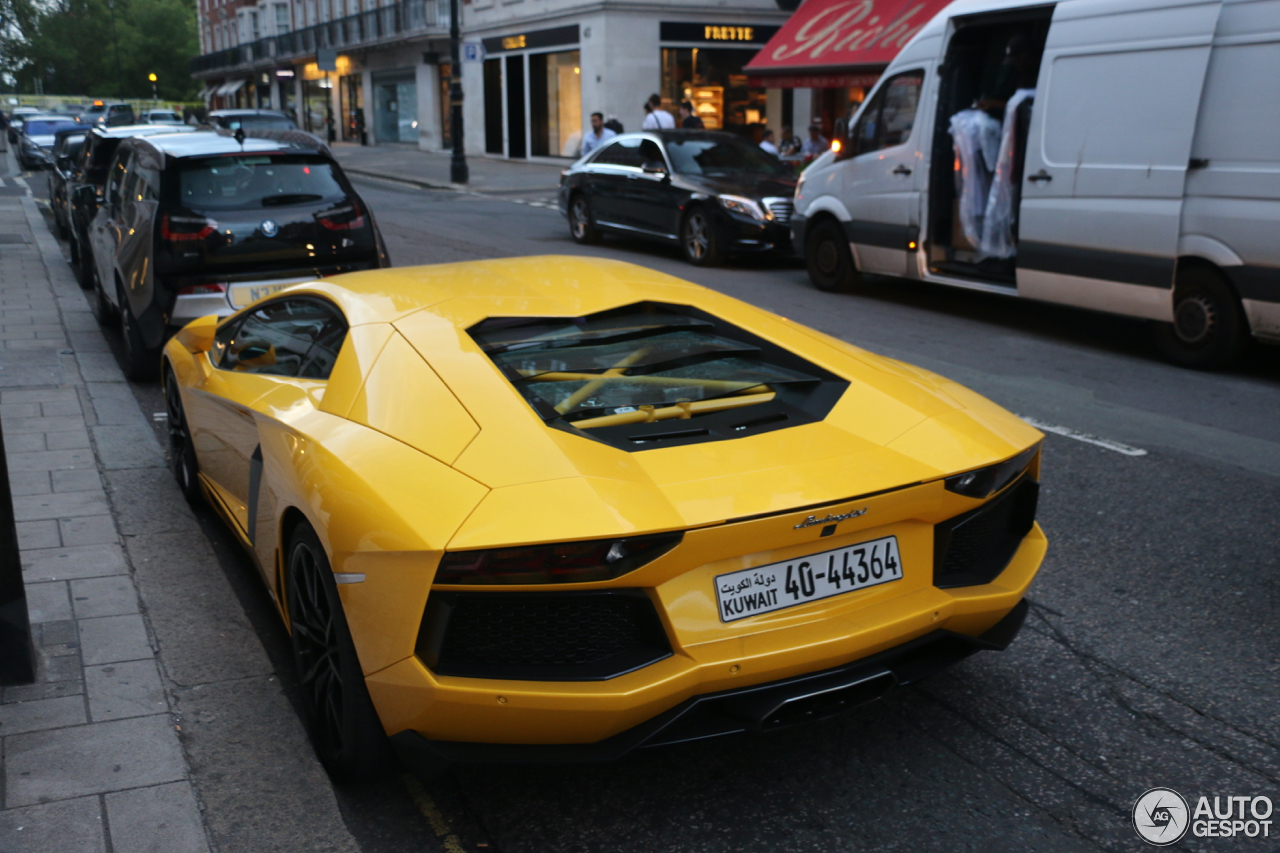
<point x="1107" y="155"/>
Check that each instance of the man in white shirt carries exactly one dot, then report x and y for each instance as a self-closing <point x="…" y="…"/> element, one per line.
<point x="598" y="135"/>
<point x="766" y="142"/>
<point x="657" y="118"/>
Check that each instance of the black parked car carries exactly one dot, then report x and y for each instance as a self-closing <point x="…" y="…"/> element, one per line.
<point x="109" y="115"/>
<point x="713" y="193"/>
<point x="251" y="120"/>
<point x="84" y="188"/>
<point x="36" y="138"/>
<point x="63" y="162"/>
<point x="202" y="223"/>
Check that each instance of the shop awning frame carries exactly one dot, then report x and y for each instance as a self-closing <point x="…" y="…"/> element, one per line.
<point x="826" y="39"/>
<point x="231" y="87"/>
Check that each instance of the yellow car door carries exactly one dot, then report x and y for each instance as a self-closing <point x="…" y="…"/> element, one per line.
<point x="280" y="347"/>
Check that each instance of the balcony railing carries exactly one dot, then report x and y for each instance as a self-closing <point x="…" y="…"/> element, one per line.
<point x="398" y="19"/>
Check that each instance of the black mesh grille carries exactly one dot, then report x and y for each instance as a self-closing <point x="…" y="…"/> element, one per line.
<point x="975" y="547"/>
<point x="542" y="636"/>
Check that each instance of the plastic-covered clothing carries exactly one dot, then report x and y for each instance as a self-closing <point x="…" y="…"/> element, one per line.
<point x="976" y="136"/>
<point x="998" y="214"/>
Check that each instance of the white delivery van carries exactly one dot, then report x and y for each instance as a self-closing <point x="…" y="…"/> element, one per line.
<point x="1120" y="155"/>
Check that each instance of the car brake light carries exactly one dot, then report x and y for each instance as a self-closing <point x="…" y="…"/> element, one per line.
<point x="202" y="289"/>
<point x="186" y="227"/>
<point x="563" y="562"/>
<point x="347" y="218"/>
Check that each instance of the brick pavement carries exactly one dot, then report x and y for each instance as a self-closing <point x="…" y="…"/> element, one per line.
<point x="91" y="753"/>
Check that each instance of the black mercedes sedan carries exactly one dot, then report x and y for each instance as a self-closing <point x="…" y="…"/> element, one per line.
<point x="714" y="194"/>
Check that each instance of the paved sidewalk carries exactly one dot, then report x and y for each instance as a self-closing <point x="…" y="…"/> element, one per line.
<point x="157" y="723"/>
<point x="431" y="169"/>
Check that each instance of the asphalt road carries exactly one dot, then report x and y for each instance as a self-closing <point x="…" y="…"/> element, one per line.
<point x="1149" y="659"/>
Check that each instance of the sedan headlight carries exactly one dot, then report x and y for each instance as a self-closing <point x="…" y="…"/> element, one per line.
<point x="987" y="481"/>
<point x="562" y="562"/>
<point x="745" y="206"/>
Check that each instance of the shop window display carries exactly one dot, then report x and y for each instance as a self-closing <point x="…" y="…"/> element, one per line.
<point x="713" y="81"/>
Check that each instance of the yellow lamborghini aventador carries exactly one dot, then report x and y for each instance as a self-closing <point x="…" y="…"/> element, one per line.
<point x="559" y="508"/>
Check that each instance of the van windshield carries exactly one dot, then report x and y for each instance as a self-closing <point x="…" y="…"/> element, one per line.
<point x="257" y="180"/>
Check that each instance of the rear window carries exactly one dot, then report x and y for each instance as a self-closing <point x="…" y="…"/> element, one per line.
<point x="256" y="122"/>
<point x="247" y="181"/>
<point x="48" y="128"/>
<point x="655" y="373"/>
<point x="165" y="117"/>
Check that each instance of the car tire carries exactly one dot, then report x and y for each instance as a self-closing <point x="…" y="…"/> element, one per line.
<point x="1209" y="329"/>
<point x="582" y="224"/>
<point x="83" y="260"/>
<point x="827" y="255"/>
<point x="698" y="240"/>
<point x="345" y="730"/>
<point x="182" y="451"/>
<point x="141" y="362"/>
<point x="103" y="311"/>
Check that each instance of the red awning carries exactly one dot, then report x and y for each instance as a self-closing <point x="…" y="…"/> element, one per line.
<point x="835" y="38"/>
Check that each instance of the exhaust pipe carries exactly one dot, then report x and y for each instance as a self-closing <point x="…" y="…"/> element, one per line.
<point x="775" y="709"/>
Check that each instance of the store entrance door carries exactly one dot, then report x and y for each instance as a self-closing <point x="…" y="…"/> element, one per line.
<point x="515" y="107"/>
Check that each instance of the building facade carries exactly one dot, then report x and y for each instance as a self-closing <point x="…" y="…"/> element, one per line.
<point x="533" y="71"/>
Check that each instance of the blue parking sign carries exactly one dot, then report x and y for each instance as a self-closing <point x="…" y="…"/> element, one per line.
<point x="472" y="51"/>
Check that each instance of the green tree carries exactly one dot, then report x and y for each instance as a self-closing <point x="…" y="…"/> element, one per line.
<point x="71" y="46"/>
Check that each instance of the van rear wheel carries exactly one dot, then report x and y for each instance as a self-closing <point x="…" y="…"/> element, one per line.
<point x="1209" y="329"/>
<point x="830" y="262"/>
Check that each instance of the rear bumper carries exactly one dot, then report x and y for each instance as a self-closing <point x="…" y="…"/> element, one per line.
<point x="762" y="707"/>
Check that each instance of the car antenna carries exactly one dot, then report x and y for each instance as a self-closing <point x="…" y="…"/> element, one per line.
<point x="239" y="137"/>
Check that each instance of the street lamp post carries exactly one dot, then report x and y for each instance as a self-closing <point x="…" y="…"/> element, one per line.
<point x="458" y="166"/>
<point x="155" y="93"/>
<point x="115" y="38"/>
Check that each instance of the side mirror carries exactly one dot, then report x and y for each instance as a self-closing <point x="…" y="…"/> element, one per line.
<point x="197" y="336"/>
<point x="655" y="167"/>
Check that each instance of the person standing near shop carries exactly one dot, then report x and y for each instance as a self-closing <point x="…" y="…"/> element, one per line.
<point x="656" y="118"/>
<point x="688" y="118"/>
<point x="816" y="143"/>
<point x="597" y="136"/>
<point x="766" y="142"/>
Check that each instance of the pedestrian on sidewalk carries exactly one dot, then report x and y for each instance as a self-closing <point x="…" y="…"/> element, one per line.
<point x="613" y="124"/>
<point x="766" y="142"/>
<point x="4" y="131"/>
<point x="688" y="118"/>
<point x="656" y="118"/>
<point x="598" y="134"/>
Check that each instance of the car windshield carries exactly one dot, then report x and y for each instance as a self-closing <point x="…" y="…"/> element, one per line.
<point x="722" y="158"/>
<point x="256" y="122"/>
<point x="165" y="117"/>
<point x="257" y="180"/>
<point x="48" y="128"/>
<point x="619" y="367"/>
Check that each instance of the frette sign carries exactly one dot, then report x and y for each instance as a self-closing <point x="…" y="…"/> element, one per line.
<point x="841" y="33"/>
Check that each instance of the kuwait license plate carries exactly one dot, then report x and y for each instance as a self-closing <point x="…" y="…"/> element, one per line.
<point x="751" y="592"/>
<point x="243" y="294"/>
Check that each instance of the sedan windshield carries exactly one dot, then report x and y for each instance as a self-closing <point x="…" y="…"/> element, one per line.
<point x="719" y="158"/>
<point x="257" y="180"/>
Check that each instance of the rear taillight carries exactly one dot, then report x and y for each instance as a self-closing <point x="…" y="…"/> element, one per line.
<point x="564" y="562"/>
<point x="186" y="227"/>
<point x="202" y="289"/>
<point x="346" y="218"/>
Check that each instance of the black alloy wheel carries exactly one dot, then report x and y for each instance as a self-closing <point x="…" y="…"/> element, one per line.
<point x="182" y="452"/>
<point x="581" y="226"/>
<point x="140" y="361"/>
<point x="698" y="238"/>
<point x="828" y="258"/>
<point x="1209" y="329"/>
<point x="344" y="727"/>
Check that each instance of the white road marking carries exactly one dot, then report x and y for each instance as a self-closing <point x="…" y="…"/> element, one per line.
<point x="22" y="182"/>
<point x="159" y="416"/>
<point x="2" y="183"/>
<point x="1068" y="432"/>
